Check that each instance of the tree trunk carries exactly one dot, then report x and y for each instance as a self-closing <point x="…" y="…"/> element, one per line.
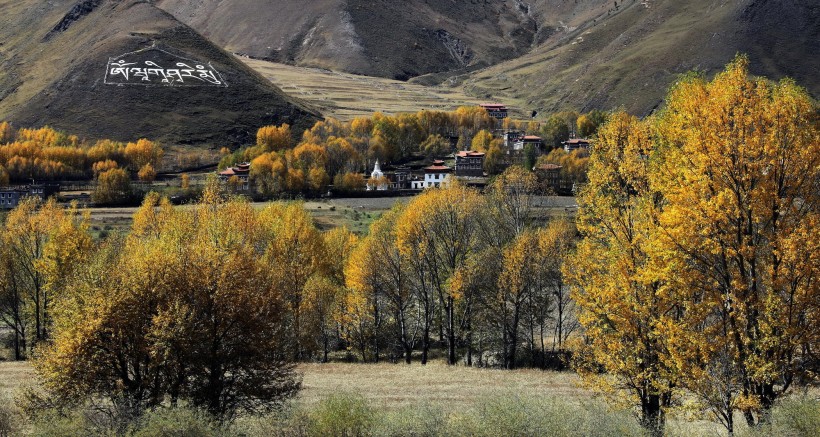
<point x="469" y="347"/>
<point x="652" y="417"/>
<point x="425" y="341"/>
<point x="451" y="332"/>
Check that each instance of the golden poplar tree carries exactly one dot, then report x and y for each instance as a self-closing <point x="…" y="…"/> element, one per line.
<point x="439" y="231"/>
<point x="43" y="243"/>
<point x="182" y="309"/>
<point x="294" y="253"/>
<point x="621" y="306"/>
<point x="740" y="176"/>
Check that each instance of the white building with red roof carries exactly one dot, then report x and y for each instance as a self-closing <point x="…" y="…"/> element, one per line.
<point x="435" y="176"/>
<point x="523" y="141"/>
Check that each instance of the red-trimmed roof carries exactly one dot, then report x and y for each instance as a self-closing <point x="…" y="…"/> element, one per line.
<point x="577" y="141"/>
<point x="240" y="169"/>
<point x="531" y="138"/>
<point x="437" y="169"/>
<point x="469" y="153"/>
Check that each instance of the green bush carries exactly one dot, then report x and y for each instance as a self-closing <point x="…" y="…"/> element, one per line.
<point x="342" y="415"/>
<point x="76" y="423"/>
<point x="797" y="416"/>
<point x="8" y="419"/>
<point x="516" y="416"/>
<point x="177" y="422"/>
<point x="599" y="421"/>
<point x="421" y="420"/>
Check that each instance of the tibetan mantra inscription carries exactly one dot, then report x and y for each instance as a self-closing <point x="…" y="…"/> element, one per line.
<point x="153" y="66"/>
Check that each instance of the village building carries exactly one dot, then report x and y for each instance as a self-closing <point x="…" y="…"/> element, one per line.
<point x="495" y="110"/>
<point x="469" y="163"/>
<point x="435" y="176"/>
<point x="400" y="178"/>
<point x="522" y="142"/>
<point x="10" y="197"/>
<point x="377" y="180"/>
<point x="575" y="144"/>
<point x="550" y="176"/>
<point x="511" y="137"/>
<point x="241" y="171"/>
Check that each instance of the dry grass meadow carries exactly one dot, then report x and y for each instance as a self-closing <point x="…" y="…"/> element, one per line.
<point x="395" y="386"/>
<point x="344" y="96"/>
<point x="392" y="387"/>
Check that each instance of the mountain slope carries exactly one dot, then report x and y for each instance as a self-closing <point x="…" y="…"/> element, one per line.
<point x="55" y="69"/>
<point x="538" y="55"/>
<point x="383" y="38"/>
<point x="629" y="56"/>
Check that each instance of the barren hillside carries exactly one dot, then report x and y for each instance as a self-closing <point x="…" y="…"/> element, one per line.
<point x="125" y="70"/>
<point x="538" y="55"/>
<point x="629" y="56"/>
<point x="384" y="38"/>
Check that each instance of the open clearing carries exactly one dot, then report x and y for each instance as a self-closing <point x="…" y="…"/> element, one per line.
<point x="394" y="386"/>
<point x="344" y="96"/>
<point x="354" y="213"/>
<point x="399" y="385"/>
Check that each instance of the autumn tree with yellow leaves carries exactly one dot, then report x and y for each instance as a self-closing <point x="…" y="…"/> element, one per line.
<point x="621" y="305"/>
<point x="699" y="263"/>
<point x="41" y="244"/>
<point x="739" y="173"/>
<point x="378" y="270"/>
<point x="185" y="308"/>
<point x="439" y="231"/>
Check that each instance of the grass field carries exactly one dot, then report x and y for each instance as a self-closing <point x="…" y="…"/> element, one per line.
<point x="398" y="387"/>
<point x="344" y="96"/>
<point x="354" y="213"/>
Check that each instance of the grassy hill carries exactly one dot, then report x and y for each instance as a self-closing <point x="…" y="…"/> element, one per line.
<point x="384" y="38"/>
<point x="344" y="95"/>
<point x="629" y="56"/>
<point x="540" y="55"/>
<point x="54" y="64"/>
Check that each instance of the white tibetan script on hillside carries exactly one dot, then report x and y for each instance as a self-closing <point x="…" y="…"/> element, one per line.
<point x="153" y="66"/>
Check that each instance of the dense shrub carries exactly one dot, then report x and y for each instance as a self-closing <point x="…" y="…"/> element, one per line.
<point x="342" y="415"/>
<point x="177" y="422"/>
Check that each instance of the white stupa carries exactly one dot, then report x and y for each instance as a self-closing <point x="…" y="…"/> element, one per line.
<point x="377" y="177"/>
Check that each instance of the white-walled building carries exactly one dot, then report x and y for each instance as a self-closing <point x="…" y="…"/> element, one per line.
<point x="436" y="175"/>
<point x="377" y="180"/>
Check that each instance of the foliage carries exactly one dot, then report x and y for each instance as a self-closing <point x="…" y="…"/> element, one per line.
<point x="435" y="146"/>
<point x="739" y="174"/>
<point x="42" y="244"/>
<point x="555" y="131"/>
<point x="190" y="311"/>
<point x="143" y="152"/>
<point x="341" y="415"/>
<point x="273" y="138"/>
<point x="589" y="123"/>
<point x="177" y="421"/>
<point x="147" y="173"/>
<point x="113" y="187"/>
<point x="622" y="308"/>
<point x="699" y="263"/>
<point x="439" y="231"/>
<point x="350" y="182"/>
<point x="46" y="154"/>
